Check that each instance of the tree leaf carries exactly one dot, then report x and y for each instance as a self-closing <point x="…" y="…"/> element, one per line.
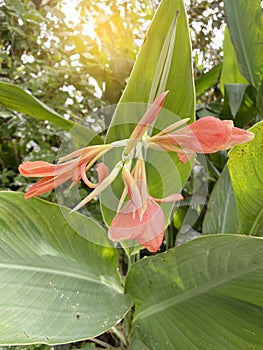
<point x="235" y="94"/>
<point x="204" y="294"/>
<point x="12" y="96"/>
<point x="245" y="167"/>
<point x="221" y="214"/>
<point x="245" y="23"/>
<point x="230" y="70"/>
<point x="164" y="63"/>
<point x="207" y="80"/>
<point x="56" y="285"/>
<point x="136" y="344"/>
<point x="15" y="98"/>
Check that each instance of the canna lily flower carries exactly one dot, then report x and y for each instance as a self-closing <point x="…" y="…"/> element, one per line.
<point x="71" y="167"/>
<point x="206" y="135"/>
<point x="141" y="218"/>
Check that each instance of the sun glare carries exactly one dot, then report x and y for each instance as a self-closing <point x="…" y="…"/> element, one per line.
<point x="70" y="12"/>
<point x="73" y="18"/>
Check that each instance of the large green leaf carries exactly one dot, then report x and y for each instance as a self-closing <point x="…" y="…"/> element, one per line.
<point x="245" y="167"/>
<point x="15" y="98"/>
<point x="221" y="214"/>
<point x="245" y="23"/>
<point x="207" y="80"/>
<point x="232" y="83"/>
<point x="230" y="70"/>
<point x="12" y="96"/>
<point x="164" y="63"/>
<point x="56" y="285"/>
<point x="204" y="294"/>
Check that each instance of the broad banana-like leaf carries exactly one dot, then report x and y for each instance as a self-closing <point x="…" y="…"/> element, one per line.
<point x="204" y="294"/>
<point x="245" y="23"/>
<point x="221" y="214"/>
<point x="56" y="285"/>
<point x="230" y="70"/>
<point x="17" y="99"/>
<point x="245" y="167"/>
<point x="206" y="81"/>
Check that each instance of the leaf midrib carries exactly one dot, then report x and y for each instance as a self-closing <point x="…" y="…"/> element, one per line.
<point x="243" y="47"/>
<point x="71" y="273"/>
<point x="178" y="299"/>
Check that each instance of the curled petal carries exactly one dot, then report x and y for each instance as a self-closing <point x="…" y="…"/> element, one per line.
<point x="100" y="187"/>
<point x="102" y="171"/>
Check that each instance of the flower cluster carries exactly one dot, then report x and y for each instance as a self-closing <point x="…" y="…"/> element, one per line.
<point x="140" y="217"/>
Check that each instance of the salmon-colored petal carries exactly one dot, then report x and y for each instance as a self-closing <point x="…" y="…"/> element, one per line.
<point x="209" y="135"/>
<point x="36" y="169"/>
<point x="239" y="136"/>
<point x="172" y="198"/>
<point x="102" y="171"/>
<point x="132" y="188"/>
<point x="126" y="224"/>
<point x="148" y="230"/>
<point x="44" y="185"/>
<point x="145" y="121"/>
<point x="152" y="236"/>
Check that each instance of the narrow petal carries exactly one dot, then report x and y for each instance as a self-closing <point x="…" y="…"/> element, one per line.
<point x="174" y="126"/>
<point x="44" y="185"/>
<point x="145" y="121"/>
<point x="172" y="198"/>
<point x="101" y="187"/>
<point x="133" y="190"/>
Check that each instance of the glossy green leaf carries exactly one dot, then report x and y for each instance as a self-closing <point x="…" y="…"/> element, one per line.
<point x="155" y="60"/>
<point x="164" y="63"/>
<point x="15" y="98"/>
<point x="207" y="80"/>
<point x="56" y="285"/>
<point x="204" y="294"/>
<point x="137" y="344"/>
<point x="235" y="94"/>
<point x="221" y="214"/>
<point x="230" y="70"/>
<point x="245" y="23"/>
<point x="12" y="96"/>
<point x="245" y="167"/>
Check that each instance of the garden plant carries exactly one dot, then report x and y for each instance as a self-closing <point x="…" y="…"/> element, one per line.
<point x="152" y="235"/>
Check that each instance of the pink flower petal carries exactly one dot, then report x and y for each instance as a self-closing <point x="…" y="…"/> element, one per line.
<point x="36" y="169"/>
<point x="209" y="135"/>
<point x="102" y="171"/>
<point x="148" y="231"/>
<point x="145" y="121"/>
